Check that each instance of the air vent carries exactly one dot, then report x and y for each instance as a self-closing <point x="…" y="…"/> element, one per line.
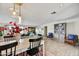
<point x="54" y="12"/>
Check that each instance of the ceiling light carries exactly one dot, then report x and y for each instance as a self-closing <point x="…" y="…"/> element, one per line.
<point x="14" y="13"/>
<point x="17" y="11"/>
<point x="20" y="18"/>
<point x="61" y="4"/>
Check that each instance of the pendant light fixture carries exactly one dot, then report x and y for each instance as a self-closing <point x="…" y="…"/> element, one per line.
<point x="19" y="17"/>
<point x="19" y="13"/>
<point x="14" y="11"/>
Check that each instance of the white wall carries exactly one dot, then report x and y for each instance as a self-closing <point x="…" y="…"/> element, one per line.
<point x="77" y="27"/>
<point x="72" y="26"/>
<point x="50" y="28"/>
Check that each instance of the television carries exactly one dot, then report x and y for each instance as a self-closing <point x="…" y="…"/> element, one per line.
<point x="72" y="37"/>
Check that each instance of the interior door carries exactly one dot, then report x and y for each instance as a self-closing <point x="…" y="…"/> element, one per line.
<point x="60" y="31"/>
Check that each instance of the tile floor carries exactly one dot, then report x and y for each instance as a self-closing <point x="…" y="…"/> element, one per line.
<point x="56" y="48"/>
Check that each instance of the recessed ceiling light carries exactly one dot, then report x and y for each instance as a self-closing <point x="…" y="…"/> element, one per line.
<point x="61" y="4"/>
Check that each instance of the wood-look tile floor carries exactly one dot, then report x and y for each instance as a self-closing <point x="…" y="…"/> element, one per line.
<point x="56" y="48"/>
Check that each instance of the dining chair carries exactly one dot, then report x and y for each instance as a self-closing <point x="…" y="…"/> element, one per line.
<point x="34" y="46"/>
<point x="9" y="38"/>
<point x="10" y="49"/>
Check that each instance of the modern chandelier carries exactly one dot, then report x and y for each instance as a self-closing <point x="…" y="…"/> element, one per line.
<point x="16" y="11"/>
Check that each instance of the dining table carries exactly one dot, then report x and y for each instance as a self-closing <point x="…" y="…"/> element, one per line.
<point x="23" y="44"/>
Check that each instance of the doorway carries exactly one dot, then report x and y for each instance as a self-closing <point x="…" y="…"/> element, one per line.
<point x="45" y="31"/>
<point x="60" y="31"/>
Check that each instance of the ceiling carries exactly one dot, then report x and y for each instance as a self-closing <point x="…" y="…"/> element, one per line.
<point x="40" y="13"/>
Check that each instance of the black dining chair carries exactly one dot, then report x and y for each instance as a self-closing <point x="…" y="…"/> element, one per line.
<point x="9" y="48"/>
<point x="34" y="46"/>
<point x="9" y="38"/>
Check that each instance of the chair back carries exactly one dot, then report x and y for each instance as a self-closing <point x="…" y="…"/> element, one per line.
<point x="9" y="38"/>
<point x="34" y="46"/>
<point x="35" y="42"/>
<point x="9" y="48"/>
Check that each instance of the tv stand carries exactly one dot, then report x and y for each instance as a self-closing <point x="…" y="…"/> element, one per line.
<point x="71" y="42"/>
